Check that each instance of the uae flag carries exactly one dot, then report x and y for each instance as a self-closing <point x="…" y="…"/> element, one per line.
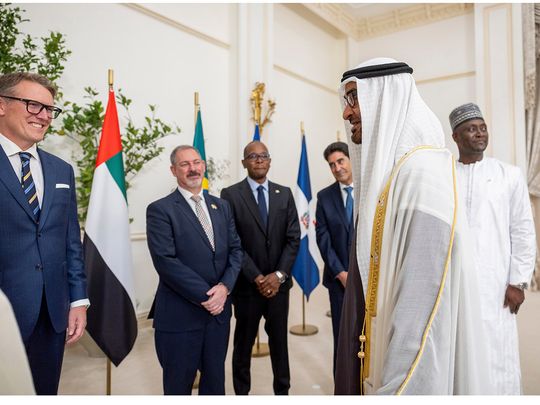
<point x="107" y="249"/>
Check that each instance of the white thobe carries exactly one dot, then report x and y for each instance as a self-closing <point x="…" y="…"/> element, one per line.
<point x="498" y="210"/>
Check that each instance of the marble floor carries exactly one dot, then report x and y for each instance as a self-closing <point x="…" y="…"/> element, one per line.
<point x="310" y="357"/>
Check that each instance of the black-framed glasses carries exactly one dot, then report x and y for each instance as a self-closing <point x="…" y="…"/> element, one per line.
<point x="256" y="156"/>
<point x="351" y="98"/>
<point x="35" y="107"/>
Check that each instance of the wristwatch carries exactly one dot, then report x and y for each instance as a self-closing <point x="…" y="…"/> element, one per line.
<point x="281" y="277"/>
<point x="521" y="286"/>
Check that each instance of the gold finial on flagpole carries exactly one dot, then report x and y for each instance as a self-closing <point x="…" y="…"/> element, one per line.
<point x="196" y="105"/>
<point x="302" y="128"/>
<point x="338" y="136"/>
<point x="111" y="79"/>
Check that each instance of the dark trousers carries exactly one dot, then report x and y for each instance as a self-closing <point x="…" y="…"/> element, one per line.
<point x="45" y="351"/>
<point x="181" y="354"/>
<point x="336" y="291"/>
<point x="248" y="310"/>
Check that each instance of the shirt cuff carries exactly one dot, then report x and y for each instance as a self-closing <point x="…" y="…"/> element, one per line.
<point x="80" y="303"/>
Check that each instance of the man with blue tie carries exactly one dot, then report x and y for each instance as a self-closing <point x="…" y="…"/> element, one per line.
<point x="334" y="228"/>
<point x="41" y="265"/>
<point x="197" y="254"/>
<point x="268" y="226"/>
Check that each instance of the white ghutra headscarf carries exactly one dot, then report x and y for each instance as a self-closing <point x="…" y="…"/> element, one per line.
<point x="395" y="120"/>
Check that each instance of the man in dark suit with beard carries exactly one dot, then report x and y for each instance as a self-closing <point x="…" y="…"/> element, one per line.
<point x="267" y="222"/>
<point x="196" y="252"/>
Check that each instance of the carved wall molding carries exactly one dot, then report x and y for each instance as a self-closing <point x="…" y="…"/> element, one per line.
<point x="397" y="20"/>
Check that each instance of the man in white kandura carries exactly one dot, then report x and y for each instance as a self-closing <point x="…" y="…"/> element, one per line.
<point x="499" y="213"/>
<point x="421" y="333"/>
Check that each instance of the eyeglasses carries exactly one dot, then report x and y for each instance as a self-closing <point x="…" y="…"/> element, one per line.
<point x="256" y="156"/>
<point x="351" y="98"/>
<point x="35" y="107"/>
<point x="185" y="164"/>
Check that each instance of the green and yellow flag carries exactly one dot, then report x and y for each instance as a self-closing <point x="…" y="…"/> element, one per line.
<point x="198" y="143"/>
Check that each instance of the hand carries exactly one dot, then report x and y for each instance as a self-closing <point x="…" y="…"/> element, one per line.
<point x="513" y="298"/>
<point x="76" y="324"/>
<point x="218" y="296"/>
<point x="342" y="277"/>
<point x="269" y="285"/>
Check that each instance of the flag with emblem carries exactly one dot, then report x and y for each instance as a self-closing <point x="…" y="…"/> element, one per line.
<point x="305" y="270"/>
<point x="107" y="248"/>
<point x="198" y="143"/>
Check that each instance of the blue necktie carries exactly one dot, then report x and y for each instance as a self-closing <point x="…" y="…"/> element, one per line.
<point x="261" y="201"/>
<point x="349" y="203"/>
<point x="27" y="184"/>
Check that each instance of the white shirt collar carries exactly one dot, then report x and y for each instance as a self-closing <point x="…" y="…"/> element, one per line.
<point x="10" y="148"/>
<point x="342" y="186"/>
<point x="187" y="194"/>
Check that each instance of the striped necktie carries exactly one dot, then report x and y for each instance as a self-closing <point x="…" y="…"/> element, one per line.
<point x="205" y="223"/>
<point x="28" y="185"/>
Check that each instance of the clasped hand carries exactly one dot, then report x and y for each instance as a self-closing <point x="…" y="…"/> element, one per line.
<point x="216" y="302"/>
<point x="268" y="286"/>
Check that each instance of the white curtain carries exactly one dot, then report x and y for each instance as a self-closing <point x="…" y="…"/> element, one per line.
<point x="531" y="33"/>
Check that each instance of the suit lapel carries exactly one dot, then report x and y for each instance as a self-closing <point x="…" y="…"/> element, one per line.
<point x="249" y="199"/>
<point x="13" y="184"/>
<point x="192" y="218"/>
<point x="214" y="217"/>
<point x="49" y="180"/>
<point x="338" y="204"/>
<point x="274" y="202"/>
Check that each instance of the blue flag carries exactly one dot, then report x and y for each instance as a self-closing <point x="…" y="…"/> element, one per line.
<point x="305" y="270"/>
<point x="256" y="134"/>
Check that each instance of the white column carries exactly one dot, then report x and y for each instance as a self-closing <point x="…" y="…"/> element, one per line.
<point x="499" y="85"/>
<point x="252" y="61"/>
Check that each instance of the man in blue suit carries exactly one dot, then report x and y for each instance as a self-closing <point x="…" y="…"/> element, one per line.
<point x="197" y="254"/>
<point x="41" y="265"/>
<point x="334" y="228"/>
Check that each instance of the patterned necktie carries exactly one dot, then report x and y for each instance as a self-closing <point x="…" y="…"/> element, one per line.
<point x="349" y="203"/>
<point x="27" y="184"/>
<point x="261" y="201"/>
<point x="203" y="219"/>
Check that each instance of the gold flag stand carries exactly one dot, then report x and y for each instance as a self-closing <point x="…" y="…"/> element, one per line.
<point x="304" y="329"/>
<point x="260" y="349"/>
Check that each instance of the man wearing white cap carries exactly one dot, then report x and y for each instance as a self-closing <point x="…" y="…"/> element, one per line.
<point x="420" y="330"/>
<point x="496" y="202"/>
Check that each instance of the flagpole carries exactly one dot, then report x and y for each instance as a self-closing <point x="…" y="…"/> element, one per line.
<point x="109" y="371"/>
<point x="338" y="136"/>
<point x="304" y="329"/>
<point x="197" y="105"/>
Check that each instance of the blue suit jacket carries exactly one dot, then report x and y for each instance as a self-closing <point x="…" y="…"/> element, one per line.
<point x="334" y="233"/>
<point x="45" y="256"/>
<point x="185" y="262"/>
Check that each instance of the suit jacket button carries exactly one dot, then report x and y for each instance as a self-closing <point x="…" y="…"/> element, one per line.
<point x="38" y="267"/>
<point x="268" y="243"/>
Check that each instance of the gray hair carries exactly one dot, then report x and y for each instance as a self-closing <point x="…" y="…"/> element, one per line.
<point x="10" y="80"/>
<point x="180" y="149"/>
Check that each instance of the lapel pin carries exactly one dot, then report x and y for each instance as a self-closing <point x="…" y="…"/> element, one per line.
<point x="214" y="206"/>
<point x="277" y="191"/>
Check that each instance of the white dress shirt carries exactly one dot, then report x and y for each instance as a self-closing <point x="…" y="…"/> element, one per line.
<point x="344" y="192"/>
<point x="187" y="195"/>
<point x="12" y="152"/>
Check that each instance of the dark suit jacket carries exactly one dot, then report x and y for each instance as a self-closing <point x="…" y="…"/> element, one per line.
<point x="185" y="262"/>
<point x="334" y="233"/>
<point x="265" y="251"/>
<point x="44" y="256"/>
